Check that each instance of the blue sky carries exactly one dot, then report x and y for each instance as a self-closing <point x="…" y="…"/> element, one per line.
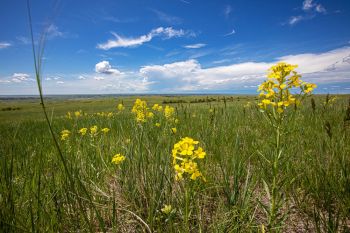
<point x="174" y="46"/>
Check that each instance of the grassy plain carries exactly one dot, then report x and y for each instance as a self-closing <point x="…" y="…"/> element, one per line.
<point x="37" y="193"/>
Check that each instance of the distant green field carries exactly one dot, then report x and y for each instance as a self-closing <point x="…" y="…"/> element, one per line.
<point x="85" y="191"/>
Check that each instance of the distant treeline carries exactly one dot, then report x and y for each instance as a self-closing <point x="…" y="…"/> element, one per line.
<point x="10" y="108"/>
<point x="205" y="100"/>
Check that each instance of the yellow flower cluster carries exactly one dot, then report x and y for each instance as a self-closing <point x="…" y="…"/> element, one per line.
<point x="93" y="130"/>
<point x="157" y="107"/>
<point x="65" y="134"/>
<point x="120" y="107"/>
<point x="166" y="209"/>
<point x="169" y="112"/>
<point x="83" y="131"/>
<point x="77" y="114"/>
<point x="275" y="91"/>
<point x="105" y="114"/>
<point x="118" y="159"/>
<point x="140" y="109"/>
<point x="185" y="153"/>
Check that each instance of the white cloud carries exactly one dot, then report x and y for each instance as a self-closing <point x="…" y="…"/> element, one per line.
<point x="4" y="45"/>
<point x="20" y="77"/>
<point x="322" y="68"/>
<point x="330" y="69"/>
<point x="230" y="33"/>
<point x="105" y="68"/>
<point x="307" y="5"/>
<point x="310" y="10"/>
<point x="194" y="46"/>
<point x="319" y="8"/>
<point x="59" y="82"/>
<point x="81" y="77"/>
<point x="121" y="41"/>
<point x="295" y="19"/>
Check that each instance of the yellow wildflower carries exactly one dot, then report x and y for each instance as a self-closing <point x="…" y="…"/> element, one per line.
<point x="158" y="124"/>
<point x="77" y="113"/>
<point x="157" y="107"/>
<point x="184" y="153"/>
<point x="118" y="159"/>
<point x="83" y="131"/>
<point x="140" y="109"/>
<point x="69" y="115"/>
<point x="120" y="107"/>
<point x="166" y="209"/>
<point x="275" y="91"/>
<point x="105" y="130"/>
<point x="65" y="134"/>
<point x="93" y="130"/>
<point x="174" y="130"/>
<point x="169" y="112"/>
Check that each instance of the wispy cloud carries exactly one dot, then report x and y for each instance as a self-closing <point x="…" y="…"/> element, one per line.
<point x="194" y="46"/>
<point x="172" y="20"/>
<point x="104" y="67"/>
<point x="295" y="19"/>
<point x="184" y="1"/>
<point x="118" y="20"/>
<point x="227" y="11"/>
<point x="52" y="31"/>
<point x="231" y="33"/>
<point x="310" y="10"/>
<point x="23" y="40"/>
<point x="121" y="41"/>
<point x="4" y="45"/>
<point x="221" y="61"/>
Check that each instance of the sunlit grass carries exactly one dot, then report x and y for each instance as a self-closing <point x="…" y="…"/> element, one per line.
<point x="132" y="195"/>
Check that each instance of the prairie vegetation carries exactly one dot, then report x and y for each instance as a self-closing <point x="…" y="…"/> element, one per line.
<point x="139" y="191"/>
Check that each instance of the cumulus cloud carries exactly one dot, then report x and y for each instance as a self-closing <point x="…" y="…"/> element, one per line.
<point x="4" y="45"/>
<point x="59" y="82"/>
<point x="121" y="41"/>
<point x="104" y="67"/>
<point x="81" y="77"/>
<point x="328" y="67"/>
<point x="20" y="77"/>
<point x="194" y="46"/>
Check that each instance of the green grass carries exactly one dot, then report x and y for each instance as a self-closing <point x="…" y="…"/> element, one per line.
<point x="37" y="195"/>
